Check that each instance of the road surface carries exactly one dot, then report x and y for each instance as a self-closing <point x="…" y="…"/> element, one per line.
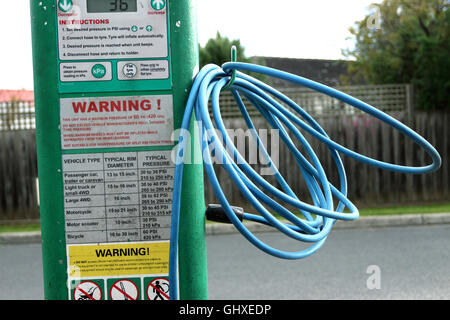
<point x="384" y="263"/>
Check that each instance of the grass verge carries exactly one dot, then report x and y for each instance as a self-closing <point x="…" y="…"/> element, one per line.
<point x="20" y="227"/>
<point x="422" y="209"/>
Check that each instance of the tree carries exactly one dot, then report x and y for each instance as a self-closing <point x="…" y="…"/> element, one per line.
<point x="218" y="51"/>
<point x="410" y="44"/>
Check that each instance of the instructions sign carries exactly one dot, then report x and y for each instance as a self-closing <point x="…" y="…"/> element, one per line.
<point x="120" y="45"/>
<point x="93" y="29"/>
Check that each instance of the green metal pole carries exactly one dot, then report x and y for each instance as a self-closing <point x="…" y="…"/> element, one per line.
<point x="183" y="57"/>
<point x="192" y="248"/>
<point x="43" y="26"/>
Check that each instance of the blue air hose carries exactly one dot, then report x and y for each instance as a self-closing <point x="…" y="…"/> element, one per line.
<point x="318" y="219"/>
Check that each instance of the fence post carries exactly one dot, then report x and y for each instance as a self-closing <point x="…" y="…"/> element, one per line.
<point x="410" y="104"/>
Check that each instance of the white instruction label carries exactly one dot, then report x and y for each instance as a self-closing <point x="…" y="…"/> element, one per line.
<point x="117" y="197"/>
<point x="109" y="122"/>
<point x="85" y="71"/>
<point x="99" y="29"/>
<point x="143" y="70"/>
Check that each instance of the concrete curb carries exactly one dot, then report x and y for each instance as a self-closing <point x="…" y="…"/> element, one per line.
<point x="362" y="222"/>
<point x="221" y="229"/>
<point x="20" y="237"/>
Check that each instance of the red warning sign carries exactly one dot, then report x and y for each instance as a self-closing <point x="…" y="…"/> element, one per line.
<point x="124" y="290"/>
<point x="158" y="289"/>
<point x="106" y="122"/>
<point x="87" y="290"/>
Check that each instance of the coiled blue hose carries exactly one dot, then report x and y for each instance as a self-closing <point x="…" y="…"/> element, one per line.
<point x="317" y="219"/>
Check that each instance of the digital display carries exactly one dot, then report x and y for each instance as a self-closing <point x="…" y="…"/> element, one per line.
<point x="104" y="6"/>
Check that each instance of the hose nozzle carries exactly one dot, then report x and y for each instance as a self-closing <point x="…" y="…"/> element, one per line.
<point x="216" y="213"/>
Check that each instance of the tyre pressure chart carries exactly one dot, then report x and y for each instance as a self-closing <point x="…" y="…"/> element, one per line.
<point x="113" y="197"/>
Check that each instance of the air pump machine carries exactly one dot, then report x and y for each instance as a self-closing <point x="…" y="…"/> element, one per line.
<point x="122" y="211"/>
<point x="111" y="84"/>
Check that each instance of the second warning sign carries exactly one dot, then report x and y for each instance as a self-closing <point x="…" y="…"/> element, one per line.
<point x="98" y="260"/>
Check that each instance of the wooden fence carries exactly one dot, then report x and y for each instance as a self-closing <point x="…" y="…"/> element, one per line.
<point x="17" y="115"/>
<point x="388" y="98"/>
<point x="367" y="185"/>
<point x="18" y="173"/>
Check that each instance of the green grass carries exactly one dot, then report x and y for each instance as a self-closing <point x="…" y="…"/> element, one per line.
<point x="22" y="227"/>
<point x="413" y="209"/>
<point x="416" y="209"/>
<point x="436" y="208"/>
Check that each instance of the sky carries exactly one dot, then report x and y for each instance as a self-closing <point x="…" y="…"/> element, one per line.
<point x="291" y="28"/>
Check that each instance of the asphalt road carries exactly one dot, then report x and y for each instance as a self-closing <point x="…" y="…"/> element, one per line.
<point x="385" y="263"/>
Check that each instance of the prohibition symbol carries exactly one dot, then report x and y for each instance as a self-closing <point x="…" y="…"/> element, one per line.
<point x="158" y="289"/>
<point x="87" y="290"/>
<point x="124" y="290"/>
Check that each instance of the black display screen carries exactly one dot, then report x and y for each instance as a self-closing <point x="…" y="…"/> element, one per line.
<point x="104" y="6"/>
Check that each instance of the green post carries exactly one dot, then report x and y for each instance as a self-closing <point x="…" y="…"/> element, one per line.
<point x="77" y="216"/>
<point x="192" y="248"/>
